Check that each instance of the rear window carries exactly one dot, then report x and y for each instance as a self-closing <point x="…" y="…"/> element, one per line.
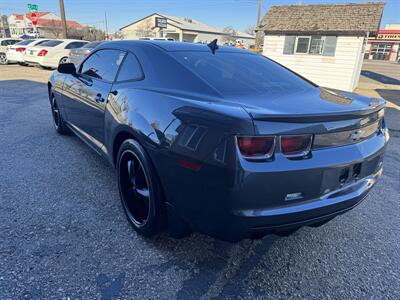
<point x="25" y="42"/>
<point x="51" y="43"/>
<point x="41" y="42"/>
<point x="91" y="45"/>
<point x="241" y="73"/>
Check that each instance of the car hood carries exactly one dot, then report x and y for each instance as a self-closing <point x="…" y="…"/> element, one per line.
<point x="316" y="104"/>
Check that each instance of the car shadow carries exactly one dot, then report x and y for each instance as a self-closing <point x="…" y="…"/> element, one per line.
<point x="380" y="78"/>
<point x="392" y="113"/>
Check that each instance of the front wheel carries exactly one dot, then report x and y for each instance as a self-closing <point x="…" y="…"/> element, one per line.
<point x="139" y="189"/>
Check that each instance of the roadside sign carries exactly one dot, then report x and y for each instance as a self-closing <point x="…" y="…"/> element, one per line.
<point x="161" y="22"/>
<point x="34" y="19"/>
<point x="33" y="7"/>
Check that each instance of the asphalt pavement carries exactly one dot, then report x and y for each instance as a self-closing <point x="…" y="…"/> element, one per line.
<point x="63" y="233"/>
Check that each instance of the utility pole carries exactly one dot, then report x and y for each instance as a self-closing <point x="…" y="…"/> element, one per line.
<point x="63" y="20"/>
<point x="105" y="18"/>
<point x="258" y="37"/>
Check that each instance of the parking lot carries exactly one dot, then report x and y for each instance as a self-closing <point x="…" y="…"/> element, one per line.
<point x="63" y="233"/>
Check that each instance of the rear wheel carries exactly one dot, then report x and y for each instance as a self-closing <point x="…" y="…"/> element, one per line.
<point x="58" y="120"/>
<point x="63" y="60"/>
<point x="3" y="59"/>
<point x="139" y="189"/>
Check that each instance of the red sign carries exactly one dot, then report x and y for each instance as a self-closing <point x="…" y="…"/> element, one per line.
<point x="34" y="19"/>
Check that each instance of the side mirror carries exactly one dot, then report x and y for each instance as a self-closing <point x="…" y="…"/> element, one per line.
<point x="68" y="68"/>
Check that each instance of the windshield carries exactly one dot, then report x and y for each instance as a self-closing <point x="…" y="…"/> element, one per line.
<point x="241" y="73"/>
<point x="25" y="42"/>
<point x="51" y="43"/>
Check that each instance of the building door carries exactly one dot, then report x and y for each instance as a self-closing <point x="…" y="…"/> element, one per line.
<point x="381" y="51"/>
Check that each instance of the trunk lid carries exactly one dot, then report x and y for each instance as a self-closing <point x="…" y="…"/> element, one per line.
<point x="312" y="105"/>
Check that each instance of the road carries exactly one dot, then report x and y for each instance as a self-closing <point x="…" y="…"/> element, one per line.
<point x="63" y="234"/>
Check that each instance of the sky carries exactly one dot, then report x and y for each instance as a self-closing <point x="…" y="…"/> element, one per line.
<point x="219" y="13"/>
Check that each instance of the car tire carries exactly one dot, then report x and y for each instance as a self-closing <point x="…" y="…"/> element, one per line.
<point x="3" y="59"/>
<point x="140" y="189"/>
<point x="63" y="60"/>
<point x="58" y="120"/>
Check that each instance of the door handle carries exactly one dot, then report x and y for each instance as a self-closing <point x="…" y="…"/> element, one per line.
<point x="99" y="98"/>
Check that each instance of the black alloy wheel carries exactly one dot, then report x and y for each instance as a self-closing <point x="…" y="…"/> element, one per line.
<point x="58" y="121"/>
<point x="56" y="112"/>
<point x="139" y="189"/>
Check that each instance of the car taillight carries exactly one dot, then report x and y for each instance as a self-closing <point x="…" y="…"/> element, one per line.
<point x="21" y="49"/>
<point x="296" y="145"/>
<point x="256" y="148"/>
<point x="42" y="52"/>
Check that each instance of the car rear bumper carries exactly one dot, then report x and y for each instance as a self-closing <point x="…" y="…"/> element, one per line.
<point x="14" y="57"/>
<point x="281" y="220"/>
<point x="40" y="61"/>
<point x="252" y="199"/>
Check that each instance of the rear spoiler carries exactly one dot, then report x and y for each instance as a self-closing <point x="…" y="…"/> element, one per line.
<point x="311" y="118"/>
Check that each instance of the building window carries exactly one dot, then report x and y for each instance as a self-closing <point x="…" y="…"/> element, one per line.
<point x="314" y="45"/>
<point x="302" y="44"/>
<point x="381" y="51"/>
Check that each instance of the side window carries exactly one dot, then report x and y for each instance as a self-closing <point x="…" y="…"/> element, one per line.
<point x="4" y="43"/>
<point x="74" y="45"/>
<point x="102" y="64"/>
<point x="130" y="69"/>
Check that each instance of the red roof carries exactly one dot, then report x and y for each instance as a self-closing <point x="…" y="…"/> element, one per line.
<point x="57" y="23"/>
<point x="47" y="22"/>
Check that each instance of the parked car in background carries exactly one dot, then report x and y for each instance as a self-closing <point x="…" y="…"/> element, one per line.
<point x="4" y="43"/>
<point x="51" y="53"/>
<point x="78" y="54"/>
<point x="16" y="53"/>
<point x="157" y="39"/>
<point x="220" y="140"/>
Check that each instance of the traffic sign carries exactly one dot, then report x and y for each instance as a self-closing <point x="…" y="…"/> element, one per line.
<point x="33" y="7"/>
<point x="34" y="19"/>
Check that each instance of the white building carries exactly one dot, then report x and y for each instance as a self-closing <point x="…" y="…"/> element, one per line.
<point x="180" y="29"/>
<point x="48" y="25"/>
<point x="324" y="43"/>
<point x="385" y="45"/>
<point x="21" y="24"/>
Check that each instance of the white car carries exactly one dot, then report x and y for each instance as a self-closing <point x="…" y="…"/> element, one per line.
<point x="4" y="43"/>
<point x="157" y="39"/>
<point x="51" y="53"/>
<point x="16" y="53"/>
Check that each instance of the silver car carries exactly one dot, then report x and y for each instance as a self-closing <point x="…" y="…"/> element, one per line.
<point x="79" y="54"/>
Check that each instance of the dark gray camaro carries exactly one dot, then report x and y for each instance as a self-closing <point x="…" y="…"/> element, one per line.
<point x="228" y="143"/>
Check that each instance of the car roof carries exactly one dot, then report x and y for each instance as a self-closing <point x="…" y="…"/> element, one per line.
<point x="169" y="46"/>
<point x="69" y="40"/>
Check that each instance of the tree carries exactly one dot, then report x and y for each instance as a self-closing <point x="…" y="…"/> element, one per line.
<point x="250" y="30"/>
<point x="230" y="34"/>
<point x="118" y="35"/>
<point x="53" y="27"/>
<point x="91" y="33"/>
